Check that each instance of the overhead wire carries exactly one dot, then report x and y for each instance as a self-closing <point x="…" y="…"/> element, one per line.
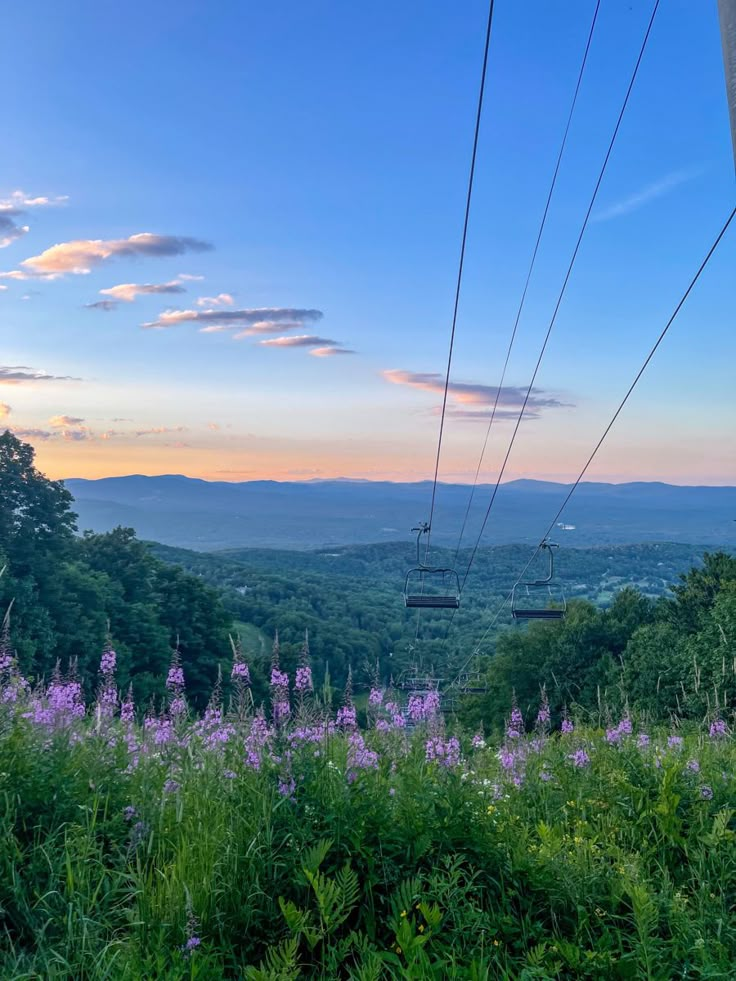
<point x="607" y="430"/>
<point x="461" y="264"/>
<point x="458" y="286"/>
<point x="563" y="289"/>
<point x="530" y="271"/>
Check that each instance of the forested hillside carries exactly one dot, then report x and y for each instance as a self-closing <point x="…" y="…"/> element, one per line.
<point x="67" y="592"/>
<point x="627" y="634"/>
<point x="202" y="514"/>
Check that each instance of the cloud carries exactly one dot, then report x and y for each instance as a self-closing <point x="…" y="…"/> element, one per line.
<point x="11" y="208"/>
<point x="474" y="401"/>
<point x="157" y="430"/>
<point x="43" y="434"/>
<point x="214" y="426"/>
<point x="80" y="255"/>
<point x="10" y="230"/>
<point x="297" y="340"/>
<point x="330" y="351"/>
<point x="106" y="305"/>
<point x="127" y="292"/>
<point x="21" y="374"/>
<point x="186" y="276"/>
<point x="63" y="422"/>
<point x="3" y="286"/>
<point x="221" y="300"/>
<point x="16" y="274"/>
<point x="234" y="319"/>
<point x="5" y="410"/>
<point x="649" y="193"/>
<point x="19" y="199"/>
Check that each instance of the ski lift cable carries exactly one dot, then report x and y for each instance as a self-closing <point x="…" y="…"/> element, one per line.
<point x="529" y="275"/>
<point x="563" y="289"/>
<point x="610" y="425"/>
<point x="461" y="264"/>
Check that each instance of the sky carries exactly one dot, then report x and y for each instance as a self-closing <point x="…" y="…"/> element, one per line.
<point x="229" y="239"/>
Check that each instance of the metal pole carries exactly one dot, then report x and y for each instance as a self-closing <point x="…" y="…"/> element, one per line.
<point x="727" y="16"/>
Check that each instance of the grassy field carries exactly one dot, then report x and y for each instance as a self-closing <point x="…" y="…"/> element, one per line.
<point x="236" y="846"/>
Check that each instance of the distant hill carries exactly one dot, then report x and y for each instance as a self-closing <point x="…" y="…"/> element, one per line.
<point x="205" y="515"/>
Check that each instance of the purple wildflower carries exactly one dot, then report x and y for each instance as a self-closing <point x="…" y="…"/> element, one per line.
<point x="642" y="740"/>
<point x="303" y="680"/>
<point x="171" y="786"/>
<point x="478" y="742"/>
<point x="375" y="697"/>
<point x="567" y="727"/>
<point x="579" y="758"/>
<point x="693" y="766"/>
<point x="718" y="729"/>
<point x="108" y="661"/>
<point x="129" y="812"/>
<point x="446" y="753"/>
<point x="175" y="677"/>
<point x="674" y="742"/>
<point x="346" y="717"/>
<point x="241" y="671"/>
<point x="706" y="792"/>
<point x="279" y="678"/>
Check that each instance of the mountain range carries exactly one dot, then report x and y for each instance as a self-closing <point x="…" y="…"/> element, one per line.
<point x="206" y="515"/>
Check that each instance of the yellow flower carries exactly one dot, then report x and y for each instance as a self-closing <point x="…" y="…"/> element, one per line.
<point x="496" y="943"/>
<point x="403" y="913"/>
<point x="491" y="808"/>
<point x="421" y="928"/>
<point x="397" y="949"/>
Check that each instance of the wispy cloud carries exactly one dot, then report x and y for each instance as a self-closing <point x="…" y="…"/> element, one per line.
<point x="475" y="401"/>
<point x="234" y="319"/>
<point x="19" y="199"/>
<point x="330" y="351"/>
<point x="14" y="207"/>
<point x="127" y="292"/>
<point x="189" y="276"/>
<point x="10" y="230"/>
<point x="79" y="256"/>
<point x="649" y="193"/>
<point x="22" y="374"/>
<point x="42" y="434"/>
<point x="221" y="300"/>
<point x="106" y="305"/>
<point x="297" y="340"/>
<point x="158" y="430"/>
<point x="64" y="422"/>
<point x="5" y="410"/>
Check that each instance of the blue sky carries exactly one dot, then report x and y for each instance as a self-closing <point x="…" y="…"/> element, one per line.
<point x="320" y="153"/>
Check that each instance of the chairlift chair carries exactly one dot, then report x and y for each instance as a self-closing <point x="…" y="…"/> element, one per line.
<point x="527" y="596"/>
<point x="444" y="584"/>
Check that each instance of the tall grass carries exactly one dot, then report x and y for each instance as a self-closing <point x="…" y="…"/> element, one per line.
<point x="229" y="847"/>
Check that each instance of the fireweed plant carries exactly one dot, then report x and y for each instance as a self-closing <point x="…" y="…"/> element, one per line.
<point x="287" y="841"/>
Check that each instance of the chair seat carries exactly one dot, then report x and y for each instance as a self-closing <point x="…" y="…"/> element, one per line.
<point x="538" y="614"/>
<point x="433" y="602"/>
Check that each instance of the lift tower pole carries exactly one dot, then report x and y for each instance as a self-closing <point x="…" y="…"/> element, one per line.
<point x="727" y="16"/>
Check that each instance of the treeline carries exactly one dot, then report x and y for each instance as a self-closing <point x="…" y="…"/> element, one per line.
<point x="70" y="593"/>
<point x="661" y="658"/>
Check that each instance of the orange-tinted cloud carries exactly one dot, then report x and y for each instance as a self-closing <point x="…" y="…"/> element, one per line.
<point x="330" y="351"/>
<point x="80" y="255"/>
<point x="297" y="340"/>
<point x="233" y="319"/>
<point x="5" y="410"/>
<point x="127" y="292"/>
<point x="476" y="401"/>
<point x="63" y="422"/>
<point x="22" y="374"/>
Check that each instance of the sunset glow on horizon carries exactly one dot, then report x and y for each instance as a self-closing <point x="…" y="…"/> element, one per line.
<point x="244" y="268"/>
